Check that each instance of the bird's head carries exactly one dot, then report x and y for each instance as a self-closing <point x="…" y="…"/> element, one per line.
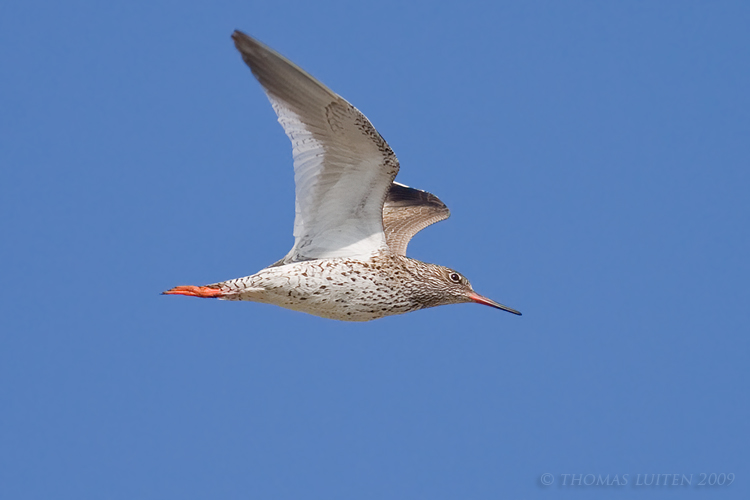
<point x="447" y="286"/>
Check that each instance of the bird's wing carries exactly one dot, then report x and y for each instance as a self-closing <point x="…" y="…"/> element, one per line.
<point x="343" y="168"/>
<point x="406" y="212"/>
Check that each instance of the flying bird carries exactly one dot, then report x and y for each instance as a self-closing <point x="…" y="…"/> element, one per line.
<point x="352" y="222"/>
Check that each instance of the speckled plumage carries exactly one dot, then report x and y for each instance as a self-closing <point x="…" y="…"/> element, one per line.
<point x="353" y="222"/>
<point x="349" y="290"/>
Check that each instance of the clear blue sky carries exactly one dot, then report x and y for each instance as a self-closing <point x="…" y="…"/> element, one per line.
<point x="596" y="159"/>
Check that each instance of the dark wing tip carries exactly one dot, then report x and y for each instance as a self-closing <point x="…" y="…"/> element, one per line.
<point x="244" y="43"/>
<point x="238" y="35"/>
<point x="404" y="196"/>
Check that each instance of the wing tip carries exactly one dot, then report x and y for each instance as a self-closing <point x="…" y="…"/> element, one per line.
<point x="403" y="195"/>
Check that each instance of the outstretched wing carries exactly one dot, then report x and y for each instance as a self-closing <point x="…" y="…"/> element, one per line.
<point x="343" y="168"/>
<point x="406" y="212"/>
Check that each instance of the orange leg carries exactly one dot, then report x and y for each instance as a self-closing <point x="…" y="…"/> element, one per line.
<point x="195" y="291"/>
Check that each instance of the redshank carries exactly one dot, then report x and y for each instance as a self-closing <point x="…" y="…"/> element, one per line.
<point x="352" y="223"/>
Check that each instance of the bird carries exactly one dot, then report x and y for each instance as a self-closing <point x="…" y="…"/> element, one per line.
<point x="352" y="223"/>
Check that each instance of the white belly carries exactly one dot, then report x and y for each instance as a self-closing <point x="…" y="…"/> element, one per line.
<point x="339" y="289"/>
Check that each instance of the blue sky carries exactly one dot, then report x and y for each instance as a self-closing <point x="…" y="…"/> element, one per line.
<point x="595" y="158"/>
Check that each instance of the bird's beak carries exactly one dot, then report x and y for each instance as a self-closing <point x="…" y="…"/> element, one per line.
<point x="488" y="302"/>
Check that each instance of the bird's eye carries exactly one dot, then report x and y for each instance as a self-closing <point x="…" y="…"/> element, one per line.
<point x="455" y="277"/>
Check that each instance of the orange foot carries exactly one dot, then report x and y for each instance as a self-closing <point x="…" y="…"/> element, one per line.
<point x="194" y="291"/>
